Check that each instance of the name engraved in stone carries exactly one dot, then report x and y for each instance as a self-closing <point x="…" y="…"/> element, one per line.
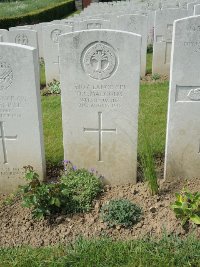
<point x="194" y="45"/>
<point x="194" y="28"/>
<point x="96" y="96"/>
<point x="187" y="93"/>
<point x="10" y="106"/>
<point x="11" y="172"/>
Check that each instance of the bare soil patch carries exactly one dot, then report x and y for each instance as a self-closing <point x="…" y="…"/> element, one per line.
<point x="18" y="228"/>
<point x="148" y="78"/>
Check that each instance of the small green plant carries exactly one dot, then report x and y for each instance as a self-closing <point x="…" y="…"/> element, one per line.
<point x="156" y="76"/>
<point x="44" y="199"/>
<point x="81" y="186"/>
<point x="120" y="212"/>
<point x="187" y="206"/>
<point x="74" y="192"/>
<point x="54" y="87"/>
<point x="148" y="165"/>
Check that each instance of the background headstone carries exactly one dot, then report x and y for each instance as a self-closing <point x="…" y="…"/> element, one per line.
<point x="136" y="24"/>
<point x="50" y="45"/>
<point x="163" y="38"/>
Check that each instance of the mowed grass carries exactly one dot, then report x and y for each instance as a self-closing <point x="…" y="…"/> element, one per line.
<point x="52" y="121"/>
<point x="15" y="8"/>
<point x="153" y="116"/>
<point x="149" y="63"/>
<point x="168" y="251"/>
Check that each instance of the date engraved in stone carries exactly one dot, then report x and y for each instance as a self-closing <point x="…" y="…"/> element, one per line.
<point x="6" y="75"/>
<point x="99" y="60"/>
<point x="100" y="96"/>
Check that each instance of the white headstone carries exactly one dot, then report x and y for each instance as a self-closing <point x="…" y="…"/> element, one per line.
<point x="163" y="38"/>
<point x="50" y="46"/>
<point x="21" y="136"/>
<point x="24" y="36"/>
<point x="100" y="73"/>
<point x="183" y="127"/>
<point x="136" y="24"/>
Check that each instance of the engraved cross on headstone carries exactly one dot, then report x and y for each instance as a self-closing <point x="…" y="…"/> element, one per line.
<point x="3" y="137"/>
<point x="100" y="131"/>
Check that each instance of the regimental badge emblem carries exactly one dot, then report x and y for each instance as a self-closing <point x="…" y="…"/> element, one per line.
<point x="55" y="34"/>
<point x="99" y="60"/>
<point x="21" y="39"/>
<point x="6" y="75"/>
<point x="194" y="94"/>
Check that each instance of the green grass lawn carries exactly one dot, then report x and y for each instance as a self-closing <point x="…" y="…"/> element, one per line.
<point x="107" y="253"/>
<point x="149" y="63"/>
<point x="15" y="8"/>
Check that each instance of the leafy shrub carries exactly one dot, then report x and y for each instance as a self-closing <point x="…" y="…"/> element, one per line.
<point x="74" y="192"/>
<point x="187" y="206"/>
<point x="120" y="212"/>
<point x="44" y="199"/>
<point x="80" y="186"/>
<point x="156" y="76"/>
<point x="54" y="87"/>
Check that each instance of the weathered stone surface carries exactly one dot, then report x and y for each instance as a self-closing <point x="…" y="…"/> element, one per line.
<point x="100" y="96"/>
<point x="183" y="128"/>
<point x="21" y="137"/>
